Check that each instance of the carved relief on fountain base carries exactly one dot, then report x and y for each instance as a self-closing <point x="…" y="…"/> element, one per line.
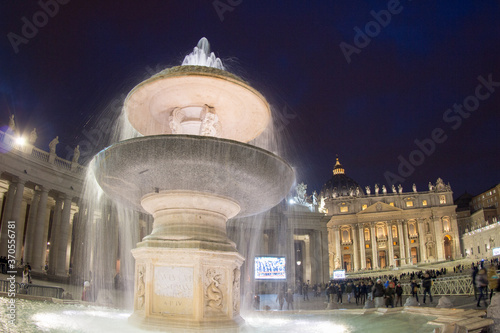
<point x="186" y="288"/>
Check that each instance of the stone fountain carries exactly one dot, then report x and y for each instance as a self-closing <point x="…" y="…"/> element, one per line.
<point x="192" y="170"/>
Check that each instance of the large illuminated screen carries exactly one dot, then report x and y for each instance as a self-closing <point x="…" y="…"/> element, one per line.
<point x="270" y="268"/>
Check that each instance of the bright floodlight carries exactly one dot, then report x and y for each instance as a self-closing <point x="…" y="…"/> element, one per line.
<point x="20" y="140"/>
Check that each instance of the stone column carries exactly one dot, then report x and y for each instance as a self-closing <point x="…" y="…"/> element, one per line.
<point x="438" y="227"/>
<point x="421" y="240"/>
<point x="338" y="251"/>
<point x="362" y="246"/>
<point x="407" y="241"/>
<point x="55" y="239"/>
<point x="63" y="237"/>
<point x="374" y="247"/>
<point x="324" y="256"/>
<point x="38" y="245"/>
<point x="401" y="242"/>
<point x="390" y="243"/>
<point x="6" y="215"/>
<point x="355" y="245"/>
<point x="30" y="232"/>
<point x="15" y="214"/>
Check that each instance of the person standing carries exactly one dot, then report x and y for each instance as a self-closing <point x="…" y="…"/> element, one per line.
<point x="281" y="298"/>
<point x="399" y="294"/>
<point x="414" y="289"/>
<point x="482" y="284"/>
<point x="427" y="284"/>
<point x="378" y="292"/>
<point x="289" y="299"/>
<point x="305" y="291"/>
<point x="348" y="291"/>
<point x="362" y="292"/>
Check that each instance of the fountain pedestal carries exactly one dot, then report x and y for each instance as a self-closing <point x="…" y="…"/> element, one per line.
<point x="187" y="270"/>
<point x="186" y="289"/>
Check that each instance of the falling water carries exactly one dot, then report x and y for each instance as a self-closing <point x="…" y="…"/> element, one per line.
<point x="201" y="56"/>
<point x="108" y="230"/>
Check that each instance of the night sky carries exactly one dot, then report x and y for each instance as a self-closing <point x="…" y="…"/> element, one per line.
<point x="380" y="83"/>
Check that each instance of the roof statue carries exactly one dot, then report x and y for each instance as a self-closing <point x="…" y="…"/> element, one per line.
<point x="384" y="189"/>
<point x="400" y="188"/>
<point x="440" y="185"/>
<point x="414" y="188"/>
<point x="376" y="189"/>
<point x="394" y="189"/>
<point x="368" y="191"/>
<point x="76" y="154"/>
<point x="33" y="137"/>
<point x="12" y="123"/>
<point x="301" y="197"/>
<point x="53" y="144"/>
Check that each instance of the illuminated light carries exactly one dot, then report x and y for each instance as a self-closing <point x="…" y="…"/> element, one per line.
<point x="20" y="140"/>
<point x="299" y="262"/>
<point x="291" y="201"/>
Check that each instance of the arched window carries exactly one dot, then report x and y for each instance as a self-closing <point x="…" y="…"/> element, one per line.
<point x="446" y="224"/>
<point x="442" y="199"/>
<point x="367" y="235"/>
<point x="380" y="232"/>
<point x="345" y="236"/>
<point x="394" y="232"/>
<point x="411" y="228"/>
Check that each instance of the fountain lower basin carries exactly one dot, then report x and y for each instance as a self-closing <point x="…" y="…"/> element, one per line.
<point x="252" y="177"/>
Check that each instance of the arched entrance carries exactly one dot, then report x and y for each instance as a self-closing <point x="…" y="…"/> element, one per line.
<point x="447" y="247"/>
<point x="414" y="255"/>
<point x="347" y="262"/>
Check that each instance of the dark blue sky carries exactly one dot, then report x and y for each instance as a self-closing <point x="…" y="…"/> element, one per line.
<point x="69" y="75"/>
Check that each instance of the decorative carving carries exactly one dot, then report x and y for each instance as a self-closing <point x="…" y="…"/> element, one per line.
<point x="210" y="125"/>
<point x="379" y="207"/>
<point x="141" y="288"/>
<point x="440" y="186"/>
<point x="337" y="262"/>
<point x="213" y="293"/>
<point x="175" y="121"/>
<point x="236" y="290"/>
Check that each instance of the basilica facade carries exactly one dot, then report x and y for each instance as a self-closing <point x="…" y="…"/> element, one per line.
<point x="381" y="228"/>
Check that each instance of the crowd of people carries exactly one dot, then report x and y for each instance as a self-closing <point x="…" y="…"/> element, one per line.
<point x="388" y="290"/>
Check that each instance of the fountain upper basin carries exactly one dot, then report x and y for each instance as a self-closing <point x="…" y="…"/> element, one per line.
<point x="254" y="178"/>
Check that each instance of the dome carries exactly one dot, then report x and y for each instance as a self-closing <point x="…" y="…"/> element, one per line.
<point x="340" y="184"/>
